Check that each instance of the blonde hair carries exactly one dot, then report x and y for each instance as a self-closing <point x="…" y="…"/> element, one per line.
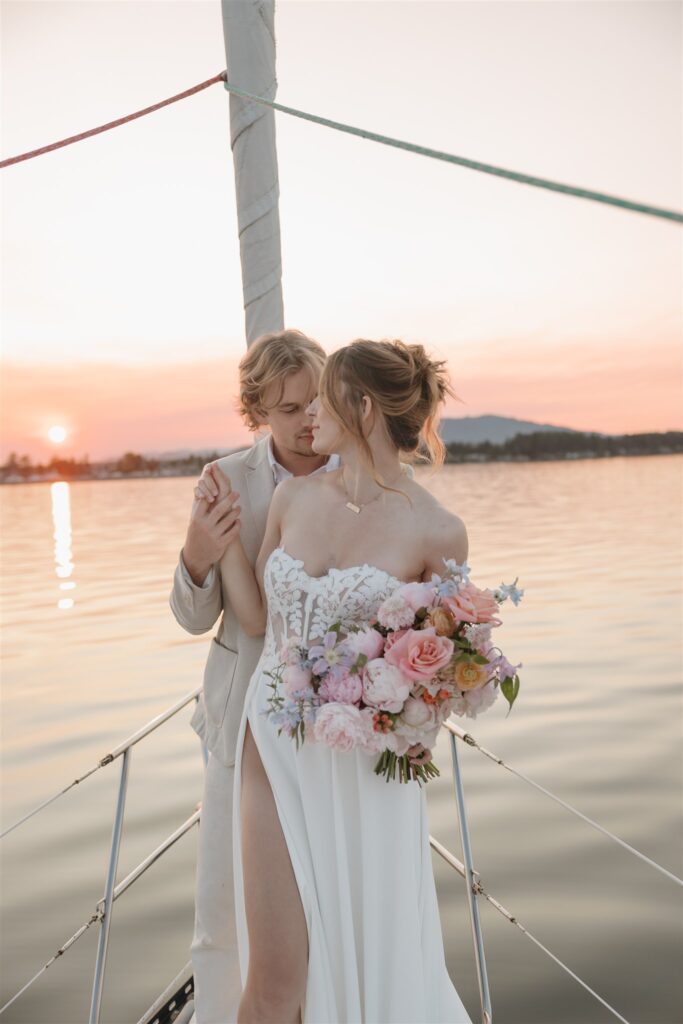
<point x="269" y="360"/>
<point x="404" y="384"/>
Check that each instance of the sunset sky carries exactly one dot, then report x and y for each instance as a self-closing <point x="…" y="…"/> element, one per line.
<point x="122" y="311"/>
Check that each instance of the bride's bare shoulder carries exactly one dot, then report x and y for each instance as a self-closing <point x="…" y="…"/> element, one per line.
<point x="297" y="488"/>
<point x="443" y="533"/>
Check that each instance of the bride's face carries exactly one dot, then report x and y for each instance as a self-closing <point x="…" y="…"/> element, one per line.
<point x="327" y="434"/>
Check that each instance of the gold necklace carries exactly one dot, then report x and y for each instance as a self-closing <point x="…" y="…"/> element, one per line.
<point x="352" y="505"/>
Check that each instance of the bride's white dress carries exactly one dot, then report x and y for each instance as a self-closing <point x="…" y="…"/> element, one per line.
<point x="359" y="845"/>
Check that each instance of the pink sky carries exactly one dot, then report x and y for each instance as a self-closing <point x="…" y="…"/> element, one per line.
<point x="112" y="408"/>
<point x="122" y="314"/>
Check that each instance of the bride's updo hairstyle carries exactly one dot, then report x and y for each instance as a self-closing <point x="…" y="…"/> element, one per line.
<point x="405" y="386"/>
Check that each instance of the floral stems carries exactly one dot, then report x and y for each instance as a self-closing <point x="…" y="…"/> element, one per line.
<point x="388" y="763"/>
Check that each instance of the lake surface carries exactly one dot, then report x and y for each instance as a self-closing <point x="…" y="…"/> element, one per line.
<point x="91" y="652"/>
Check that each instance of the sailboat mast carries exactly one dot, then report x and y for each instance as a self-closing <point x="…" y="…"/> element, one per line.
<point x="249" y="33"/>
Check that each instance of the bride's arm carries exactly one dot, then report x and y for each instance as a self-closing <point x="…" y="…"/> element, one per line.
<point x="244" y="582"/>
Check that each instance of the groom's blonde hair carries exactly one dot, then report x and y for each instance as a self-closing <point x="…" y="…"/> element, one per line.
<point x="269" y="360"/>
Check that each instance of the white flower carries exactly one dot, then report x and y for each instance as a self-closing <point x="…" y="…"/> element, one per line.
<point x="419" y="720"/>
<point x="477" y="633"/>
<point x="384" y="686"/>
<point x="395" y="613"/>
<point x="396" y="742"/>
<point x="370" y="740"/>
<point x="473" y="702"/>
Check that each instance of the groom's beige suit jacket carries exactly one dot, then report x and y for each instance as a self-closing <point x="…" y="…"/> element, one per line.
<point x="233" y="655"/>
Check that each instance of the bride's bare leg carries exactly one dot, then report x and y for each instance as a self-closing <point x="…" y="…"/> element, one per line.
<point x="278" y="937"/>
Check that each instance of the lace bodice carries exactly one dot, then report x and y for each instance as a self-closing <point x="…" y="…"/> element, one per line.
<point x="306" y="606"/>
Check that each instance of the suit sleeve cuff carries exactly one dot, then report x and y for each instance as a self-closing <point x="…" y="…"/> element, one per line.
<point x="206" y="585"/>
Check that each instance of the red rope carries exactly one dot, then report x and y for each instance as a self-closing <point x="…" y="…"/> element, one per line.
<point x="113" y="124"/>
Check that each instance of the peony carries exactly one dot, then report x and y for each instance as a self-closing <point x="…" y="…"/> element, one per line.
<point x="339" y="726"/>
<point x="366" y="641"/>
<point x="340" y="685"/>
<point x="384" y="686"/>
<point x="395" y="612"/>
<point x="419" y="722"/>
<point x="417" y="595"/>
<point x="470" y="604"/>
<point x="296" y="680"/>
<point x="469" y="676"/>
<point x="420" y="653"/>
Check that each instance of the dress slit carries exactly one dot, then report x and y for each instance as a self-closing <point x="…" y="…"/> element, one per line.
<point x="297" y="870"/>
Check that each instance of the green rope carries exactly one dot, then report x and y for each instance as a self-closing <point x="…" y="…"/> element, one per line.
<point x="475" y="165"/>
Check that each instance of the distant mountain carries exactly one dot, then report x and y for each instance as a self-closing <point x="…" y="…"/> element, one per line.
<point x="496" y="429"/>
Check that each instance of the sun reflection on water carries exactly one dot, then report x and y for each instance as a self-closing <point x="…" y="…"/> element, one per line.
<point x="61" y="518"/>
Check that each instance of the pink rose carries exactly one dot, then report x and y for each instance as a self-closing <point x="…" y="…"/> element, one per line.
<point x="420" y="653"/>
<point x="417" y="595"/>
<point x="340" y="726"/>
<point x="392" y="638"/>
<point x="470" y="604"/>
<point x="295" y="679"/>
<point x="340" y="685"/>
<point x="366" y="641"/>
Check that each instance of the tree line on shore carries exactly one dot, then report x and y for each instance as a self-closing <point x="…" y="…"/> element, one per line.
<point x="538" y="445"/>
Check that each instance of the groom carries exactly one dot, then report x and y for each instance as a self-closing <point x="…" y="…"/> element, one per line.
<point x="279" y="378"/>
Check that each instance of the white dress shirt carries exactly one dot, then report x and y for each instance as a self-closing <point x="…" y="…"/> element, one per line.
<point x="279" y="474"/>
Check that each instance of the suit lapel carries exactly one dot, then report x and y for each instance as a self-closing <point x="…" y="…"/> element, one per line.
<point x="260" y="487"/>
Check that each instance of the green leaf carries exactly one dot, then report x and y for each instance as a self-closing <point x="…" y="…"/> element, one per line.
<point x="510" y="689"/>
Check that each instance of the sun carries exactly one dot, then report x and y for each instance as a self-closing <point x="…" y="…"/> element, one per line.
<point x="57" y="434"/>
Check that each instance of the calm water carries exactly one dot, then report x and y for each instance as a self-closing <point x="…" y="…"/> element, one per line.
<point x="91" y="652"/>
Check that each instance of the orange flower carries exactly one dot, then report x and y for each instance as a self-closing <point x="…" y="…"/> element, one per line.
<point x="442" y="621"/>
<point x="469" y="675"/>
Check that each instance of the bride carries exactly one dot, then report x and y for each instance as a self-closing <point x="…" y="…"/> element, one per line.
<point x="335" y="900"/>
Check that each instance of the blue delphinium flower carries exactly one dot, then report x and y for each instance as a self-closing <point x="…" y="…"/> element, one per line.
<point x="506" y="590"/>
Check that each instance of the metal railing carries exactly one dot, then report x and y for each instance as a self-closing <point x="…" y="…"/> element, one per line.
<point x="474" y="887"/>
<point x="104" y="906"/>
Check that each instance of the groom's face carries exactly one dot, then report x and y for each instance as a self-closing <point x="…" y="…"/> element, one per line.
<point x="286" y="415"/>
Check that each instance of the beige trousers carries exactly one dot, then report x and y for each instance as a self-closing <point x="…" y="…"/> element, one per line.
<point x="215" y="960"/>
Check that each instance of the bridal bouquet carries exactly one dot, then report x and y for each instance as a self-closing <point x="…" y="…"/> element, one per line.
<point x="388" y="684"/>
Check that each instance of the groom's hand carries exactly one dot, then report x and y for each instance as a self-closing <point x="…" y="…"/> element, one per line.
<point x="211" y="529"/>
<point x="213" y="483"/>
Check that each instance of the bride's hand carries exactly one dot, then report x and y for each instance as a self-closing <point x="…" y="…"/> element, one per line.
<point x="213" y="483"/>
<point x="418" y="754"/>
